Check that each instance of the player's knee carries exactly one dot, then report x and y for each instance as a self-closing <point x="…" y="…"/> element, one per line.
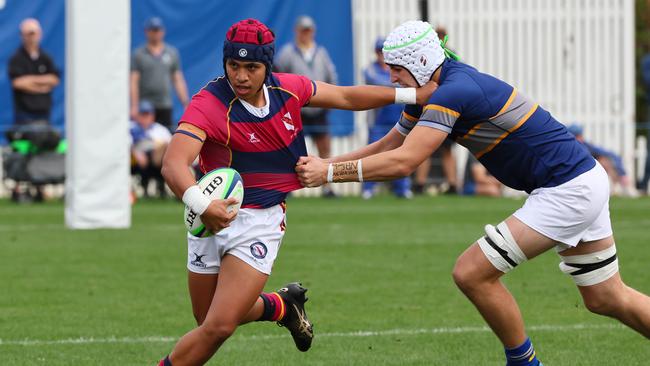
<point x="217" y="332"/>
<point x="603" y="304"/>
<point x="465" y="274"/>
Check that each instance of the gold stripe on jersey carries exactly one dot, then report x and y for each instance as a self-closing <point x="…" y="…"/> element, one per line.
<point x="285" y="90"/>
<point x="511" y="130"/>
<point x="409" y="117"/>
<point x="508" y="102"/>
<point x="440" y="108"/>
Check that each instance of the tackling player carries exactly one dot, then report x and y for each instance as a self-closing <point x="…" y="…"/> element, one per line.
<point x="249" y="120"/>
<point x="525" y="148"/>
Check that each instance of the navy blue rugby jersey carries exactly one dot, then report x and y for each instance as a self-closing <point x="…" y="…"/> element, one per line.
<point x="516" y="140"/>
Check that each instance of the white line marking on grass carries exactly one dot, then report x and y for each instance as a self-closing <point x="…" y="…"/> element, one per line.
<point x="41" y="227"/>
<point x="360" y="333"/>
<point x="83" y="340"/>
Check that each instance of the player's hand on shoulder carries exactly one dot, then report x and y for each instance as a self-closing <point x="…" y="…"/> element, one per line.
<point x="424" y="92"/>
<point x="218" y="215"/>
<point x="312" y="171"/>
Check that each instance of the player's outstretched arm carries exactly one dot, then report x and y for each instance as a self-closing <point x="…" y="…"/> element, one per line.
<point x="390" y="141"/>
<point x="388" y="165"/>
<point x="176" y="169"/>
<point x="363" y="97"/>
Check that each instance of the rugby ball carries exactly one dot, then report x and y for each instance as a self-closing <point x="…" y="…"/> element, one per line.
<point x="220" y="183"/>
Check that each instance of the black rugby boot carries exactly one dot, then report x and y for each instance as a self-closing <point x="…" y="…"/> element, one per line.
<point x="295" y="317"/>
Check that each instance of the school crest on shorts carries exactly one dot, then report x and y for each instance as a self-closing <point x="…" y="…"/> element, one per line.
<point x="258" y="250"/>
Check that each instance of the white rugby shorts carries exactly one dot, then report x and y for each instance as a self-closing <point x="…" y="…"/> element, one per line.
<point x="575" y="211"/>
<point x="254" y="237"/>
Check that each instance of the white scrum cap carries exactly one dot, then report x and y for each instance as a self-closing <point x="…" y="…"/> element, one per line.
<point x="415" y="46"/>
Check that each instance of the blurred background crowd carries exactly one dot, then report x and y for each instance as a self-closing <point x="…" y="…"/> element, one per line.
<point x="171" y="60"/>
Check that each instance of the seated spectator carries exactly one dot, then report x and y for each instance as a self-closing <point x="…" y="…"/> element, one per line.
<point x="478" y="181"/>
<point x="612" y="162"/>
<point x="149" y="140"/>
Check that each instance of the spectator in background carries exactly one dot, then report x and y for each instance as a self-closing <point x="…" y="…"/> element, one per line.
<point x="305" y="57"/>
<point x="478" y="181"/>
<point x="149" y="140"/>
<point x="613" y="164"/>
<point x="645" y="74"/>
<point x="154" y="66"/>
<point x="382" y="120"/>
<point x="33" y="76"/>
<point x="448" y="160"/>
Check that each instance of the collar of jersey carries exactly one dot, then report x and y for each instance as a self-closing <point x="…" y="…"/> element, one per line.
<point x="259" y="112"/>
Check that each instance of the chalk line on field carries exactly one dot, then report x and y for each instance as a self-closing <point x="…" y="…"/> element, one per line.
<point x="360" y="333"/>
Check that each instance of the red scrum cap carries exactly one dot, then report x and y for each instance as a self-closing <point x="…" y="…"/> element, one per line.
<point x="250" y="40"/>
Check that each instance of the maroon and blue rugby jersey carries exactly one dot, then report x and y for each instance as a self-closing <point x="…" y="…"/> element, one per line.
<point x="263" y="150"/>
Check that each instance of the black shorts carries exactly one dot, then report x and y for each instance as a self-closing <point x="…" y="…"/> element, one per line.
<point x="315" y="125"/>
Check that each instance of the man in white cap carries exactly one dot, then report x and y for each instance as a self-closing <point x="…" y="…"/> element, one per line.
<point x="525" y="148"/>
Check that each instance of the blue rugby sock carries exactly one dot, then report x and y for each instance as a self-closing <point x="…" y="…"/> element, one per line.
<point x="523" y="355"/>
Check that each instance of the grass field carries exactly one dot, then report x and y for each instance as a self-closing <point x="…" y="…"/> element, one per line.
<point x="378" y="273"/>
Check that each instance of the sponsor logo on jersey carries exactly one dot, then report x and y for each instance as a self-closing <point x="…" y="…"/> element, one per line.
<point x="259" y="250"/>
<point x="252" y="138"/>
<point x="198" y="260"/>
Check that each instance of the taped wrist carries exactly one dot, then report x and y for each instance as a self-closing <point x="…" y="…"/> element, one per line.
<point x="360" y="170"/>
<point x="330" y="173"/>
<point x="405" y="96"/>
<point x="196" y="200"/>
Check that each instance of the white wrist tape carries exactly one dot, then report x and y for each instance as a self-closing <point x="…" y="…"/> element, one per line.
<point x="360" y="170"/>
<point x="330" y="173"/>
<point x="405" y="96"/>
<point x="196" y="200"/>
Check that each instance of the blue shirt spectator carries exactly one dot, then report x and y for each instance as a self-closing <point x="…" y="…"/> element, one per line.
<point x="382" y="120"/>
